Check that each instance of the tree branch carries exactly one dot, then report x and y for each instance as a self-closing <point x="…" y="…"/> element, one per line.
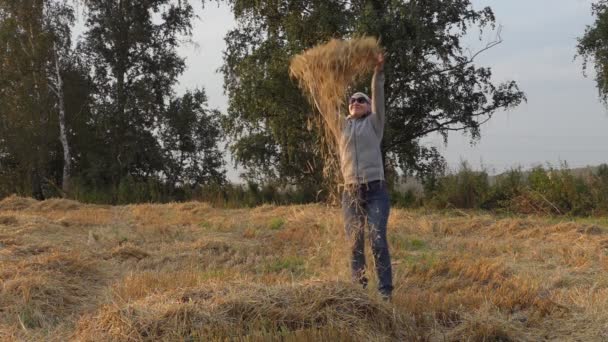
<point x="488" y="46"/>
<point x="442" y="127"/>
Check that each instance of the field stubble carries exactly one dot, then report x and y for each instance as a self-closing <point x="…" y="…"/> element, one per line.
<point x="70" y="271"/>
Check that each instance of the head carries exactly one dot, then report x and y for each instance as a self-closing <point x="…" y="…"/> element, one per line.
<point x="359" y="104"/>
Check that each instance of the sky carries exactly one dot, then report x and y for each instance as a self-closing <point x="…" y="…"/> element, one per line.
<point x="562" y="121"/>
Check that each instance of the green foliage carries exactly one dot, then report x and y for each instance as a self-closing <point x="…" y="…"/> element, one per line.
<point x="554" y="191"/>
<point x="132" y="191"/>
<point x="542" y="191"/>
<point x="465" y="189"/>
<point x="592" y="47"/>
<point x="251" y="195"/>
<point x="190" y="141"/>
<point x="506" y="187"/>
<point x="417" y="244"/>
<point x="432" y="84"/>
<point x="132" y="139"/>
<point x="406" y="199"/>
<point x="134" y="66"/>
<point x="599" y="190"/>
<point x="129" y="190"/>
<point x="276" y="223"/>
<point x="29" y="148"/>
<point x="561" y="191"/>
<point x="292" y="264"/>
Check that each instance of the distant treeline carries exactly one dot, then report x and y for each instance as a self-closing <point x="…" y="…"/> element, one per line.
<point x="97" y="117"/>
<point x="542" y="190"/>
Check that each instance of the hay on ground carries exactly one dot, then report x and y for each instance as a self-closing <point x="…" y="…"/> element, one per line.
<point x="58" y="204"/>
<point x="44" y="290"/>
<point x="239" y="310"/>
<point x="128" y="251"/>
<point x="15" y="203"/>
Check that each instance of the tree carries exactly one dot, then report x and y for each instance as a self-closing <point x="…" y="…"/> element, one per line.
<point x="106" y="113"/>
<point x="30" y="32"/>
<point x="432" y="83"/>
<point x="59" y="19"/>
<point x="131" y="49"/>
<point x="143" y="131"/>
<point x="593" y="46"/>
<point x="190" y="139"/>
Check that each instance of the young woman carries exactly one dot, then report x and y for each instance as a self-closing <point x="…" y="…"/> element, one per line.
<point x="365" y="200"/>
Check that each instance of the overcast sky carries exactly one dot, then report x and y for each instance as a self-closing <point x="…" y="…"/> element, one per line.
<point x="563" y="119"/>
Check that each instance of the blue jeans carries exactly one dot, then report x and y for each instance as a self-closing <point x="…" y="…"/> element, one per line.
<point x="367" y="205"/>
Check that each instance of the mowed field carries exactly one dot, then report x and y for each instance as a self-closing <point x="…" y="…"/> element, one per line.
<point x="191" y="272"/>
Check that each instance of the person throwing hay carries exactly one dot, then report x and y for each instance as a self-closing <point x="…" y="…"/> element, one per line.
<point x="365" y="199"/>
<point x="325" y="73"/>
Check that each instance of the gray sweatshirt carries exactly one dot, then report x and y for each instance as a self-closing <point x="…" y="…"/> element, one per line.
<point x="360" y="156"/>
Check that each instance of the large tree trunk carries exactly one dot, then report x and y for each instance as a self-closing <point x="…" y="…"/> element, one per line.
<point x="63" y="136"/>
<point x="37" y="184"/>
<point x="39" y="143"/>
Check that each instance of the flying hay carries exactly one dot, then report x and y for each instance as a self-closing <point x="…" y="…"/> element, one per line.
<point x="325" y="74"/>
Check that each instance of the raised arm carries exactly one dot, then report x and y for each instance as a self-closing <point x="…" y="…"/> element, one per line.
<point x="378" y="110"/>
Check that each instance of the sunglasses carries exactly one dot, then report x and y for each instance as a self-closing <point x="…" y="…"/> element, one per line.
<point x="357" y="99"/>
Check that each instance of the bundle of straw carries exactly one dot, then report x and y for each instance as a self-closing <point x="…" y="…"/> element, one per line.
<point x="325" y="74"/>
<point x="326" y="71"/>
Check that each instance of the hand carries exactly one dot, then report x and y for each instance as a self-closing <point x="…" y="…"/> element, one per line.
<point x="379" y="62"/>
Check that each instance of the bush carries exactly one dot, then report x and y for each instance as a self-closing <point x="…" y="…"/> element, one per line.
<point x="599" y="190"/>
<point x="466" y="189"/>
<point x="553" y="191"/>
<point x="562" y="192"/>
<point x="253" y="194"/>
<point x="407" y="199"/>
<point x="507" y="186"/>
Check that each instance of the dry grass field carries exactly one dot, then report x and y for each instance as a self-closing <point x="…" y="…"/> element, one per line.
<point x="190" y="272"/>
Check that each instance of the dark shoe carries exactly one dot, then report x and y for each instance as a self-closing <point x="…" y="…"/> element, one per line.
<point x="363" y="282"/>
